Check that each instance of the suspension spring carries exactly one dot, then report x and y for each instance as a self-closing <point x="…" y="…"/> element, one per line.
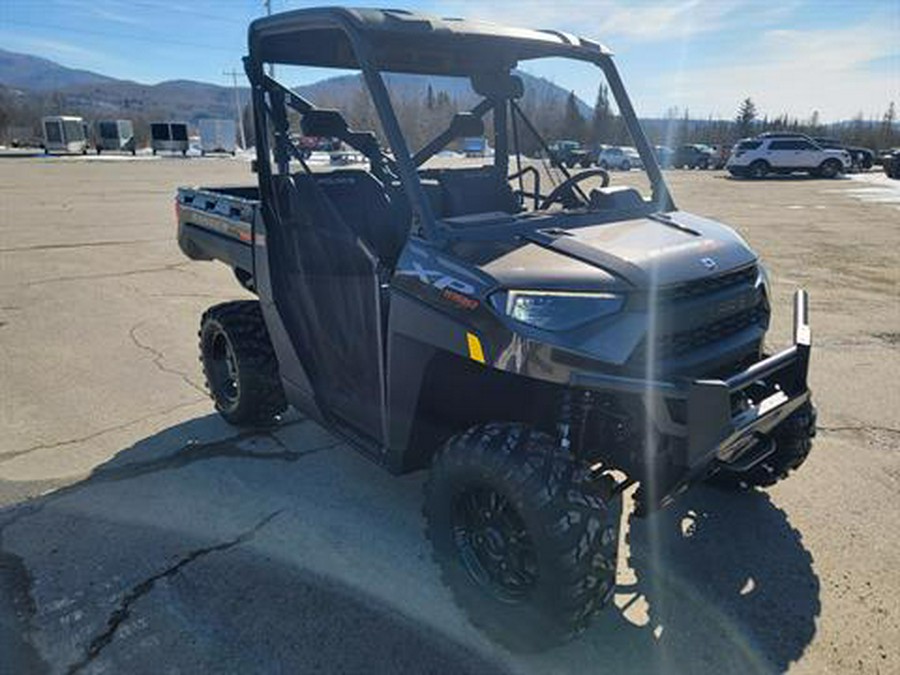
<point x="585" y="405"/>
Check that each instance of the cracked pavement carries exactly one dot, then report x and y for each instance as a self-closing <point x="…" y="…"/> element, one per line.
<point x="141" y="534"/>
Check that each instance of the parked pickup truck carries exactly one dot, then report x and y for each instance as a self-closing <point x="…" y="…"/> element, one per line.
<point x="217" y="224"/>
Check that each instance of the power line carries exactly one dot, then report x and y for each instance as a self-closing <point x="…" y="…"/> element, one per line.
<point x="237" y="104"/>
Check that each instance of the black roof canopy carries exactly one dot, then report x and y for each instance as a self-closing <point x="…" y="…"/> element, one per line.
<point x="407" y="42"/>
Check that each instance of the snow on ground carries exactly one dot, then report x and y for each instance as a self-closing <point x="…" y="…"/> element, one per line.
<point x="875" y="187"/>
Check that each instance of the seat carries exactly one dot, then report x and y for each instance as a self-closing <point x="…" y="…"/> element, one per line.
<point x="365" y="208"/>
<point x="480" y="190"/>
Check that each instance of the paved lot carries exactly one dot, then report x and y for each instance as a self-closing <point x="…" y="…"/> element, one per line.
<point x="141" y="534"/>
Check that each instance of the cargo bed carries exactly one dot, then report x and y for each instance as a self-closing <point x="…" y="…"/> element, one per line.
<point x="217" y="224"/>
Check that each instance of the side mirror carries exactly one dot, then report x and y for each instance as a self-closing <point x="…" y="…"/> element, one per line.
<point x="254" y="168"/>
<point x="494" y="84"/>
<point x="466" y="125"/>
<point x="323" y="124"/>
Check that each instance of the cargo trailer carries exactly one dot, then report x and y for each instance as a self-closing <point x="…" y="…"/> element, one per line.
<point x="65" y="134"/>
<point x="218" y="135"/>
<point x="169" y="137"/>
<point x="115" y="136"/>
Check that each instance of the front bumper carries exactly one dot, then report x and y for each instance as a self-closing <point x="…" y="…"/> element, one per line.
<point x="724" y="423"/>
<point x="719" y="431"/>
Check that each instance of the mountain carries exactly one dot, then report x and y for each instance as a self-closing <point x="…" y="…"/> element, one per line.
<point x="38" y="74"/>
<point x="44" y="87"/>
<point x="337" y="91"/>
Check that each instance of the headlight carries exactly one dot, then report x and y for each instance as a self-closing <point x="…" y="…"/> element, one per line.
<point x="556" y="310"/>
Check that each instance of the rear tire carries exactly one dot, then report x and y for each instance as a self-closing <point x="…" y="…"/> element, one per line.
<point x="240" y="365"/>
<point x="525" y="539"/>
<point x="793" y="443"/>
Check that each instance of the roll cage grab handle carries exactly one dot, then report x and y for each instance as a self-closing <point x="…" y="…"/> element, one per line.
<point x="405" y="162"/>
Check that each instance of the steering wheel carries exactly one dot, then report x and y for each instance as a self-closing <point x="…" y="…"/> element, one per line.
<point x="565" y="194"/>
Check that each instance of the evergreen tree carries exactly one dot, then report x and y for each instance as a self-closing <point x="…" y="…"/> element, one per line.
<point x="602" y="122"/>
<point x="814" y="121"/>
<point x="745" y="117"/>
<point x="887" y="125"/>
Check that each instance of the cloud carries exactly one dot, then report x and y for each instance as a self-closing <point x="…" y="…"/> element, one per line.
<point x="795" y="72"/>
<point x="608" y="20"/>
<point x="665" y="20"/>
<point x="49" y="48"/>
<point x="708" y="55"/>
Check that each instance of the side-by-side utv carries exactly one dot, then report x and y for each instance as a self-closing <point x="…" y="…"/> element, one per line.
<point x="540" y="340"/>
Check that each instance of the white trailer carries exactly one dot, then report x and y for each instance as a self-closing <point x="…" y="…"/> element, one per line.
<point x="115" y="135"/>
<point x="218" y="135"/>
<point x="66" y="134"/>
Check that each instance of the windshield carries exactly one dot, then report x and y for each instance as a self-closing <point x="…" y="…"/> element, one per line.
<point x="546" y="139"/>
<point x="547" y="136"/>
<point x="497" y="145"/>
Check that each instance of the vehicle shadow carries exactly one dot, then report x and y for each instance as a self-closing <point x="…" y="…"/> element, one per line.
<point x="199" y="550"/>
<point x="285" y="551"/>
<point x="718" y="582"/>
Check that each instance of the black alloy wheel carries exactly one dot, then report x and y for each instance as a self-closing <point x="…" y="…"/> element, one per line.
<point x="493" y="544"/>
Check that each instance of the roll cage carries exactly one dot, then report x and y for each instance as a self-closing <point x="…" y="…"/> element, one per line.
<point x="373" y="41"/>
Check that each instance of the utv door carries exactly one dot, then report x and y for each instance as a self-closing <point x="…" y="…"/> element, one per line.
<point x="326" y="288"/>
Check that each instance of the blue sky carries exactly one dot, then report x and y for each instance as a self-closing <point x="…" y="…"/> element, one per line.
<point x="839" y="57"/>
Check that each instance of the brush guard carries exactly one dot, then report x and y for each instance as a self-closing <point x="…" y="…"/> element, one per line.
<point x="739" y="440"/>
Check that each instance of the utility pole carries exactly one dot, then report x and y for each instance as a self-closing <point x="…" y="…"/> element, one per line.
<point x="237" y="104"/>
<point x="268" y="4"/>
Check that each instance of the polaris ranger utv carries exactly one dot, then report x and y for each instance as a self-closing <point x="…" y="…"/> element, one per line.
<point x="539" y="350"/>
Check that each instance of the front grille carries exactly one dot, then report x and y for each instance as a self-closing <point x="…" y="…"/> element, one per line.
<point x="746" y="276"/>
<point x="702" y="313"/>
<point x="682" y="342"/>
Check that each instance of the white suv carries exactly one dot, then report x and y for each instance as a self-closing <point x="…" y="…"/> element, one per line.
<point x="785" y="153"/>
<point x="624" y="158"/>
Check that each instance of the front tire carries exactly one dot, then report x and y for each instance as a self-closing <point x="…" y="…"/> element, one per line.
<point x="525" y="539"/>
<point x="830" y="168"/>
<point x="793" y="443"/>
<point x="240" y="365"/>
<point x="758" y="169"/>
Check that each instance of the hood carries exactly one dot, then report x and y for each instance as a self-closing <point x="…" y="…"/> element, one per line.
<point x="672" y="248"/>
